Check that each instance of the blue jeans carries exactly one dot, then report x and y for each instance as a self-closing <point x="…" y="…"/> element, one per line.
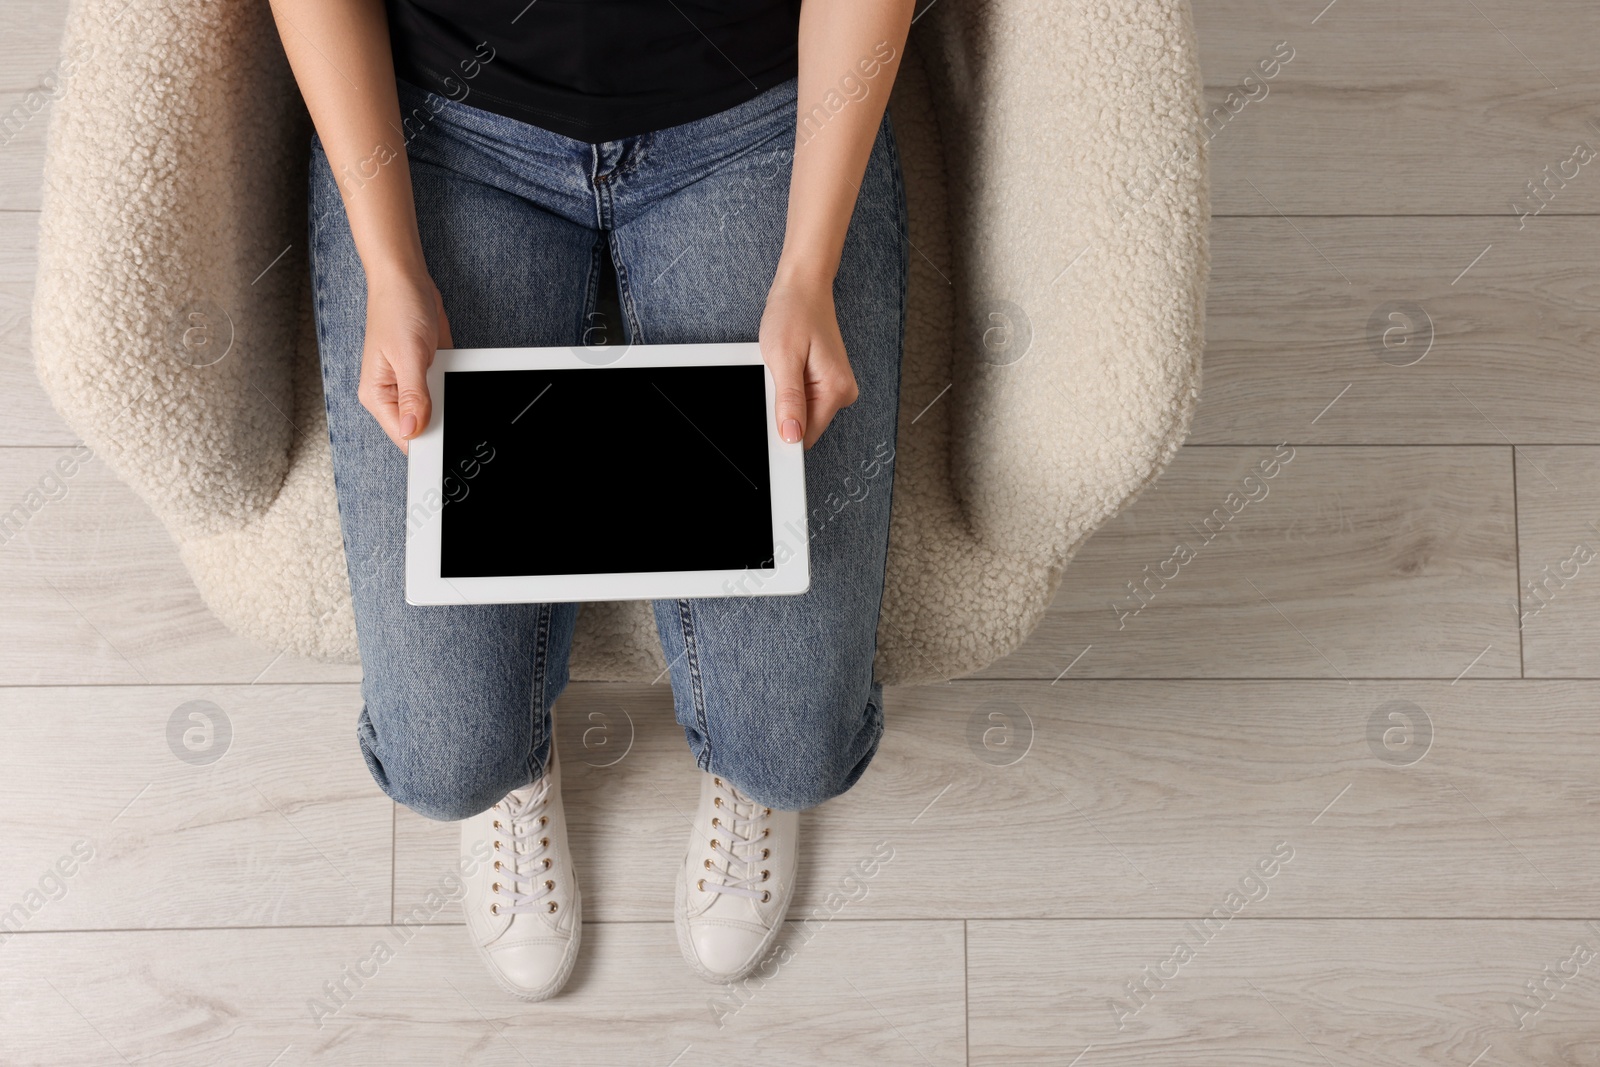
<point x="777" y="694"/>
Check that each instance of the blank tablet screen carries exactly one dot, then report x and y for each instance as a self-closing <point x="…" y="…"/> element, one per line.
<point x="607" y="470"/>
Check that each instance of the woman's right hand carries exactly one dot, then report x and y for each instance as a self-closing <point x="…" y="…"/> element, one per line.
<point x="406" y="324"/>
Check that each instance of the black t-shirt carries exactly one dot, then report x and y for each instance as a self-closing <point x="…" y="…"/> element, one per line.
<point x="596" y="70"/>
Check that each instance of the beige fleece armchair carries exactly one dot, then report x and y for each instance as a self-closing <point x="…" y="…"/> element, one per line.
<point x="1056" y="179"/>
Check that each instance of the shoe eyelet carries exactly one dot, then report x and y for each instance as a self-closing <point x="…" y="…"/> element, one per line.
<point x="544" y="820"/>
<point x="552" y="906"/>
<point x="766" y="895"/>
<point x="715" y="844"/>
<point x="497" y="825"/>
<point x="765" y="853"/>
<point x="495" y="887"/>
<point x="717" y="780"/>
<point x="497" y="846"/>
<point x="707" y="865"/>
<point x="547" y="863"/>
<point x="716" y="822"/>
<point x="716" y="802"/>
<point x="494" y="909"/>
<point x="497" y="865"/>
<point x="548" y="884"/>
<point x="702" y="885"/>
<point x="765" y="875"/>
<point x="766" y="831"/>
<point x="545" y="841"/>
<point x="767" y="810"/>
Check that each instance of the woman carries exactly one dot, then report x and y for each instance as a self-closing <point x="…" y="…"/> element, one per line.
<point x="479" y="173"/>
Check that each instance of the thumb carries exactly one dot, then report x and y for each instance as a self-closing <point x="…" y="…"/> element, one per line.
<point x="411" y="387"/>
<point x="788" y="377"/>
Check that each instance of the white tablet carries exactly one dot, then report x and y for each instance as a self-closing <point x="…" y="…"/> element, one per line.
<point x="561" y="474"/>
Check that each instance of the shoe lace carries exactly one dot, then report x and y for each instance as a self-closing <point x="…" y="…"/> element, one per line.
<point x="739" y="831"/>
<point x="522" y="856"/>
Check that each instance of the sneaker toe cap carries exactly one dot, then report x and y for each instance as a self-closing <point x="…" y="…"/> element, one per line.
<point x="726" y="949"/>
<point x="533" y="968"/>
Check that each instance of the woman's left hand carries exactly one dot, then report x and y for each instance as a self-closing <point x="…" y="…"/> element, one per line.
<point x="801" y="344"/>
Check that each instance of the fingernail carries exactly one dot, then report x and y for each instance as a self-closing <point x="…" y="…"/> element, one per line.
<point x="790" y="430"/>
<point x="408" y="426"/>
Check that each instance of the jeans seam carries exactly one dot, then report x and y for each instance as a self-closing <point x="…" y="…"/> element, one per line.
<point x="541" y="658"/>
<point x="315" y="258"/>
<point x="599" y="187"/>
<point x="591" y="293"/>
<point x="904" y="226"/>
<point x="697" y="692"/>
<point x="625" y="292"/>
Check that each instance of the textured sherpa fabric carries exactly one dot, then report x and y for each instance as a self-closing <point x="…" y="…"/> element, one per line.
<point x="1056" y="182"/>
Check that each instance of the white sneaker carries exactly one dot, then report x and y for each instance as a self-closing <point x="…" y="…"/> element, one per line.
<point x="736" y="881"/>
<point x="522" y="905"/>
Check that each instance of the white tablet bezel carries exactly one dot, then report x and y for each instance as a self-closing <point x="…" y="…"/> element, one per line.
<point x="426" y="499"/>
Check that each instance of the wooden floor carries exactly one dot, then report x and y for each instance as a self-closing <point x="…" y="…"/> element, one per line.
<point x="1329" y="797"/>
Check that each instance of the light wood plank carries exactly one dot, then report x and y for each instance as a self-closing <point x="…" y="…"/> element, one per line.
<point x="1431" y="107"/>
<point x="22" y="152"/>
<point x="260" y="812"/>
<point x="1286" y="994"/>
<point x="33" y="35"/>
<point x="96" y="592"/>
<point x="1501" y="353"/>
<point x="1558" y="533"/>
<point x="1347" y="563"/>
<point x="31" y="49"/>
<point x="880" y="993"/>
<point x="1132" y="799"/>
<point x="30" y="417"/>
